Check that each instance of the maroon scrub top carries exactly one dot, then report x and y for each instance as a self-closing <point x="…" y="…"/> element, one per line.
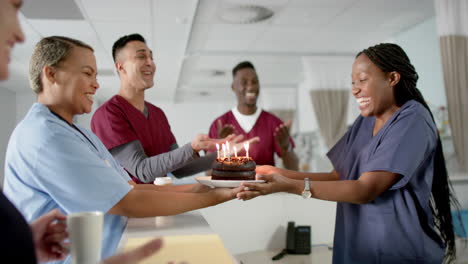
<point x="263" y="151"/>
<point x="117" y="122"/>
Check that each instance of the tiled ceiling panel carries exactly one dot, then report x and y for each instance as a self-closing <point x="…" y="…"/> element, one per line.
<point x="138" y="11"/>
<point x="227" y="37"/>
<point x="82" y="30"/>
<point x="322" y="3"/>
<point x="52" y="9"/>
<point x="310" y="18"/>
<point x="109" y="32"/>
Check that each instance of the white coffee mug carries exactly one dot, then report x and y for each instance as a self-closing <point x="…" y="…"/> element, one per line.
<point x="85" y="230"/>
<point x="163" y="181"/>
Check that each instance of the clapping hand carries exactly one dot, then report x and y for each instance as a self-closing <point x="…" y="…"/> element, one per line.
<point x="224" y="130"/>
<point x="282" y="135"/>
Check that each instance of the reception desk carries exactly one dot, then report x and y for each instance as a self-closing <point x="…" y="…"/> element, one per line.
<point x="242" y="232"/>
<point x="187" y="238"/>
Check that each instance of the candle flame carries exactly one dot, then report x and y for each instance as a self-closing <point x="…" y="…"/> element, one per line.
<point x="246" y="146"/>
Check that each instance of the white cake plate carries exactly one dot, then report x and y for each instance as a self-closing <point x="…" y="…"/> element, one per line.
<point x="206" y="180"/>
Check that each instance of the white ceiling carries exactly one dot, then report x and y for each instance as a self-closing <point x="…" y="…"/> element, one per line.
<point x="195" y="49"/>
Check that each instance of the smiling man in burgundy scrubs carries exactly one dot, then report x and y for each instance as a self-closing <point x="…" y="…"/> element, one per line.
<point x="136" y="132"/>
<point x="251" y="121"/>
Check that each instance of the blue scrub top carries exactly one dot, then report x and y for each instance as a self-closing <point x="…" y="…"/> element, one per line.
<point x="397" y="227"/>
<point x="49" y="165"/>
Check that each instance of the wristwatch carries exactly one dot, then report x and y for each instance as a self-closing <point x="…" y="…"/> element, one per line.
<point x="306" y="192"/>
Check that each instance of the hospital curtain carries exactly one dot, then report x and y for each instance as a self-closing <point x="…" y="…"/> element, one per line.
<point x="452" y="25"/>
<point x="331" y="109"/>
<point x="328" y="81"/>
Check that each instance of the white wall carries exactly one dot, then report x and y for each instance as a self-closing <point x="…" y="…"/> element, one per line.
<point x="421" y="43"/>
<point x="8" y="119"/>
<point x="260" y="223"/>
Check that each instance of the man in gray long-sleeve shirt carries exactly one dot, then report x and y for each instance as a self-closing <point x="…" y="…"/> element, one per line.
<point x="136" y="132"/>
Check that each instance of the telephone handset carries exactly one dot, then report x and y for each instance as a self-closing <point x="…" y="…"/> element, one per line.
<point x="297" y="241"/>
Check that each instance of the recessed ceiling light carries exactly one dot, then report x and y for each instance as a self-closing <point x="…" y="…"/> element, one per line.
<point x="245" y="14"/>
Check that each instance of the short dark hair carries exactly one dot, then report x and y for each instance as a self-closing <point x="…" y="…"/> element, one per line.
<point x="242" y="65"/>
<point x="121" y="42"/>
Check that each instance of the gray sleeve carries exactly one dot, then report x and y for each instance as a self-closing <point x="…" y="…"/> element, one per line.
<point x="132" y="157"/>
<point x="196" y="166"/>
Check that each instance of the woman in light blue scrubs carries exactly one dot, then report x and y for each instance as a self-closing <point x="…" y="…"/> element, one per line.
<point x="53" y="163"/>
<point x="388" y="167"/>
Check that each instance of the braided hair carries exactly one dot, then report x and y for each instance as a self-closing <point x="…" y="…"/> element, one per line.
<point x="391" y="57"/>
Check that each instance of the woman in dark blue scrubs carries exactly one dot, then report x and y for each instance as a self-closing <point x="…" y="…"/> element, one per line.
<point x="389" y="177"/>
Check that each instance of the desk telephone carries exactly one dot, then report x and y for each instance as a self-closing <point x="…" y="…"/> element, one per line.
<point x="297" y="241"/>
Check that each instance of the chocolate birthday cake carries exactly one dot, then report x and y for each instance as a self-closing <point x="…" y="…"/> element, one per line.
<point x="234" y="168"/>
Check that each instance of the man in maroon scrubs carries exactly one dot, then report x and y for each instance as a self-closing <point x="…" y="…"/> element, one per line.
<point x="138" y="133"/>
<point x="251" y="121"/>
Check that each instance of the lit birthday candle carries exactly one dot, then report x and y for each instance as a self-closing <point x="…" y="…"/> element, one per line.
<point x="217" y="150"/>
<point x="235" y="151"/>
<point x="224" y="151"/>
<point x="246" y="146"/>
<point x="228" y="149"/>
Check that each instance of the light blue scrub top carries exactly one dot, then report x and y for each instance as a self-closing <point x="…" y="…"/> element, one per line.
<point x="397" y="227"/>
<point x="51" y="165"/>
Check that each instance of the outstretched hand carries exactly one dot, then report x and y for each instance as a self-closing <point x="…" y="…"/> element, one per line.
<point x="204" y="142"/>
<point x="273" y="183"/>
<point x="240" y="146"/>
<point x="224" y="130"/>
<point x="282" y="135"/>
<point x="49" y="231"/>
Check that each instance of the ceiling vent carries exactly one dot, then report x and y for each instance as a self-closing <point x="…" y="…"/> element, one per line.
<point x="212" y="73"/>
<point x="217" y="73"/>
<point x="245" y="14"/>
